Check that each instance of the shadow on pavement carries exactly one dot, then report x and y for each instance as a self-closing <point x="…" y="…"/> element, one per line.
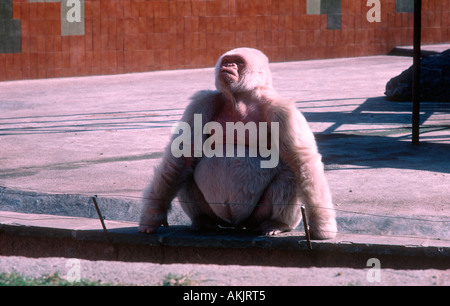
<point x="377" y="135"/>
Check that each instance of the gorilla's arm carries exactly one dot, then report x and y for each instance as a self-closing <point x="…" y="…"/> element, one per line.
<point x="299" y="150"/>
<point x="170" y="174"/>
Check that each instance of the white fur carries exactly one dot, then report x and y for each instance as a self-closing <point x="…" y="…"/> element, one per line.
<point x="234" y="190"/>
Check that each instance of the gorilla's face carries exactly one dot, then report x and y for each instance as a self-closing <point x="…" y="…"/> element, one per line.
<point x="231" y="71"/>
<point x="243" y="70"/>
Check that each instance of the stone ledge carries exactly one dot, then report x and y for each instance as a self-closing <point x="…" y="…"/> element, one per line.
<point x="57" y="236"/>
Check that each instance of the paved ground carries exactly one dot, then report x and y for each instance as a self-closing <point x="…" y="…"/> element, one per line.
<point x="102" y="135"/>
<point x="214" y="275"/>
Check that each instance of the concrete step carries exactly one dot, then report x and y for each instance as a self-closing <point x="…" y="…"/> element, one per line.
<point x="39" y="235"/>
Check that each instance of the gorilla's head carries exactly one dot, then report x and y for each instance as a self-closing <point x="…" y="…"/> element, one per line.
<point x="243" y="70"/>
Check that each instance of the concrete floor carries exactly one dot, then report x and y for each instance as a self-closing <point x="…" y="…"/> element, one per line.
<point x="103" y="135"/>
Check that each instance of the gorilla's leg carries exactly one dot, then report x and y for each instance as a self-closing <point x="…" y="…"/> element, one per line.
<point x="195" y="206"/>
<point x="277" y="210"/>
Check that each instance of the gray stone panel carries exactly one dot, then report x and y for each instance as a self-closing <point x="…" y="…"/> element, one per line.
<point x="313" y="7"/>
<point x="69" y="10"/>
<point x="331" y="8"/>
<point x="404" y="6"/>
<point x="10" y="30"/>
<point x="334" y="22"/>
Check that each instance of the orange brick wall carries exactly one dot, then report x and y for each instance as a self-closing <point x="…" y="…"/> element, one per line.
<point x="143" y="35"/>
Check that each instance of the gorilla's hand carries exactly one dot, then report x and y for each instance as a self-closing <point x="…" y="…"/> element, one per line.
<point x="150" y="222"/>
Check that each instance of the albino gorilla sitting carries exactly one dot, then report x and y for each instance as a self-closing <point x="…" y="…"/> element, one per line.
<point x="223" y="180"/>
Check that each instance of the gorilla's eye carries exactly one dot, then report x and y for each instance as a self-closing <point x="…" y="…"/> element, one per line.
<point x="231" y="61"/>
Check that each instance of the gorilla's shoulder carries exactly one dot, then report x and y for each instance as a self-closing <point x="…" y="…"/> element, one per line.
<point x="204" y="101"/>
<point x="282" y="105"/>
<point x="205" y="96"/>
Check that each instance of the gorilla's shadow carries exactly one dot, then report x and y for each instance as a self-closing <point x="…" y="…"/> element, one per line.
<point x="374" y="148"/>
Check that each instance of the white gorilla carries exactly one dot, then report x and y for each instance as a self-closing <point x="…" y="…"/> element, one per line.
<point x="229" y="190"/>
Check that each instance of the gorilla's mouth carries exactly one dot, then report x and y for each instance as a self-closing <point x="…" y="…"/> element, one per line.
<point x="229" y="72"/>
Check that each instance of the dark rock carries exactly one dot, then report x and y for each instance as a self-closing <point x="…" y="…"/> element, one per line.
<point x="434" y="80"/>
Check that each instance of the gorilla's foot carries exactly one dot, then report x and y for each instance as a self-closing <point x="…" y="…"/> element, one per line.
<point x="270" y="228"/>
<point x="146" y="229"/>
<point x="323" y="230"/>
<point x="150" y="222"/>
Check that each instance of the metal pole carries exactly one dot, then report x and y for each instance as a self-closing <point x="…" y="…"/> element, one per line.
<point x="94" y="199"/>
<point x="306" y="226"/>
<point x="416" y="71"/>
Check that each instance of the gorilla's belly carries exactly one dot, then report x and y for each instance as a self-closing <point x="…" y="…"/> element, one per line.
<point x="232" y="185"/>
